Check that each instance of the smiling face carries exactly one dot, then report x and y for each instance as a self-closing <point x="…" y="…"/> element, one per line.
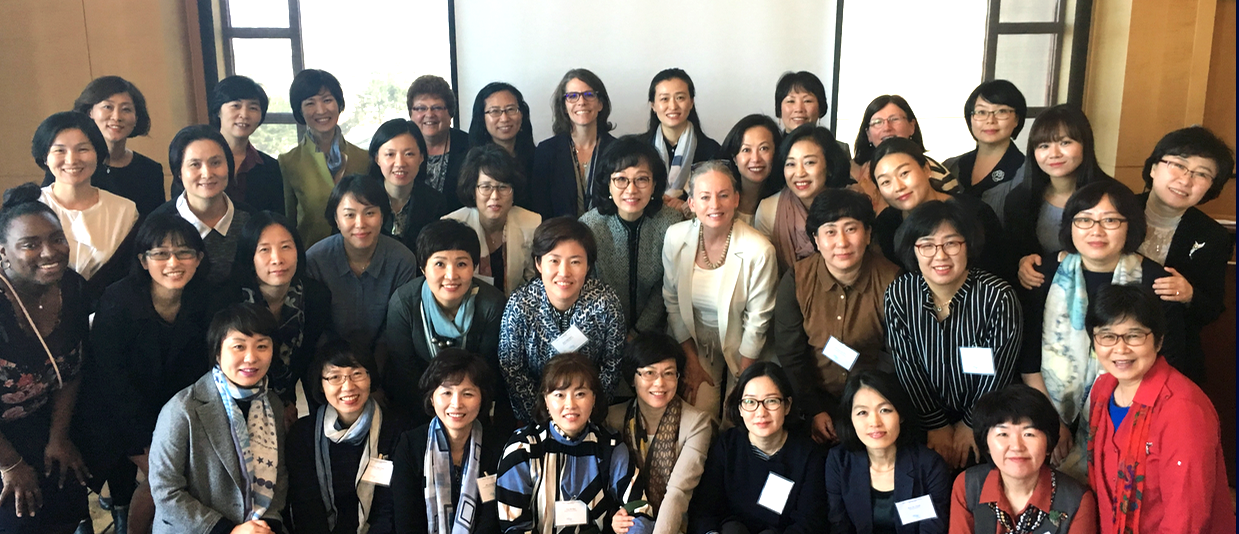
<point x="1097" y="245"/>
<point x="563" y="271"/>
<point x="630" y="202"/>
<point x="116" y="117"/>
<point x="672" y="102"/>
<point x="875" y="419"/>
<point x="449" y="274"/>
<point x="799" y="108"/>
<point x="204" y="171"/>
<point x="36" y="250"/>
<point x="570" y="408"/>
<point x="431" y="116"/>
<point x="72" y="159"/>
<point x="991" y="129"/>
<point x="245" y="359"/>
<point x="505" y="125"/>
<point x="895" y="123"/>
<point x="321" y="112"/>
<point x="238" y="119"/>
<point x="1180" y="190"/>
<point x="584" y="111"/>
<point x="349" y="398"/>
<point x="457" y="405"/>
<point x="172" y="273"/>
<point x="902" y="182"/>
<point x="842" y="243"/>
<point x="1061" y="158"/>
<point x="660" y="388"/>
<point x="805" y="170"/>
<point x="496" y="205"/>
<point x="275" y="257"/>
<point x="756" y="154"/>
<point x="1124" y="362"/>
<point x="943" y="269"/>
<point x="762" y="422"/>
<point x="359" y="222"/>
<point x="399" y="159"/>
<point x="714" y="200"/>
<point x="1018" y="449"/>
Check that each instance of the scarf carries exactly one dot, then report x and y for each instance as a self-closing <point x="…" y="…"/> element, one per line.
<point x="444" y="326"/>
<point x="1030" y="519"/>
<point x="254" y="438"/>
<point x="364" y="430"/>
<point x="654" y="459"/>
<point x="1130" y="485"/>
<point x="335" y="157"/>
<point x="289" y="335"/>
<point x="679" y="165"/>
<point x="791" y="243"/>
<point x="437" y="470"/>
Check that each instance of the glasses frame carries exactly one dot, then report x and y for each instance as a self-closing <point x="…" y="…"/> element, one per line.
<point x="957" y="245"/>
<point x="999" y="114"/>
<point x="622" y="182"/>
<point x="503" y="190"/>
<point x="777" y="402"/>
<point x="878" y="122"/>
<point x="424" y="109"/>
<point x="1179" y="169"/>
<point x="1139" y="338"/>
<point x="1085" y="223"/>
<point x="589" y="96"/>
<point x="494" y="113"/>
<point x="184" y="254"/>
<point x="338" y="380"/>
<point x="649" y="376"/>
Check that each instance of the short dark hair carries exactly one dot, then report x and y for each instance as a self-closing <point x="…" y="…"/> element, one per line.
<point x="1195" y="141"/>
<point x="834" y="204"/>
<point x="1051" y="125"/>
<point x="308" y="83"/>
<point x="479" y="135"/>
<point x="21" y="201"/>
<point x="452" y="366"/>
<point x="198" y="132"/>
<point x="390" y="130"/>
<point x="232" y="89"/>
<point x="556" y="230"/>
<point x="567" y="369"/>
<point x="674" y="73"/>
<point x="864" y="149"/>
<point x="447" y="234"/>
<point x="1114" y="303"/>
<point x="803" y="81"/>
<point x="925" y="219"/>
<point x="99" y="89"/>
<point x="1125" y="202"/>
<point x="1014" y="404"/>
<point x="895" y="145"/>
<point x="45" y="136"/>
<point x="628" y="151"/>
<point x="366" y="190"/>
<point x="838" y="169"/>
<point x="429" y="84"/>
<point x="649" y="348"/>
<point x="999" y="93"/>
<point x="560" y="123"/>
<point x="248" y="319"/>
<point x="888" y="386"/>
<point x="340" y="353"/>
<point x="247" y="246"/>
<point x="775" y="373"/>
<point x="167" y="226"/>
<point x="732" y="144"/>
<point x="496" y="163"/>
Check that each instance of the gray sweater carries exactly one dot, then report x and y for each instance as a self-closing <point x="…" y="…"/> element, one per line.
<point x="645" y="310"/>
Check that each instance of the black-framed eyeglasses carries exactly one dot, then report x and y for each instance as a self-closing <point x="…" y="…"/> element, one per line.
<point x="929" y="250"/>
<point x="621" y="182"/>
<point x="1109" y="223"/>
<point x="487" y="189"/>
<point x="589" y="96"/>
<point x="1131" y="339"/>
<point x="772" y="404"/>
<point x="510" y="111"/>
<point x="183" y="254"/>
<point x="1000" y="114"/>
<point x="356" y="377"/>
<point x="423" y="109"/>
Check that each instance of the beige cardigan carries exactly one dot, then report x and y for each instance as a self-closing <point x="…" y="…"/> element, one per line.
<point x="517" y="233"/>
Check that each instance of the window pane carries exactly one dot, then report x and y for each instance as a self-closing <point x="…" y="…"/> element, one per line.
<point x="1028" y="11"/>
<point x="258" y="13"/>
<point x="269" y="62"/>
<point x="275" y="139"/>
<point x="1026" y="60"/>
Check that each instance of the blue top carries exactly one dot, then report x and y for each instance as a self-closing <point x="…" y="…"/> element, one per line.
<point x="359" y="303"/>
<point x="1117" y="413"/>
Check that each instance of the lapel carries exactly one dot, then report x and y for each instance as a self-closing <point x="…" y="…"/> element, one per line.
<point x="731" y="274"/>
<point x="1183" y="240"/>
<point x="859" y="506"/>
<point x="905" y="476"/>
<point x="215" y="422"/>
<point x="684" y="287"/>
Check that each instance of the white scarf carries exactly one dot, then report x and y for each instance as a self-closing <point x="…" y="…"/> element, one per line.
<point x="680" y="165"/>
<point x="364" y="428"/>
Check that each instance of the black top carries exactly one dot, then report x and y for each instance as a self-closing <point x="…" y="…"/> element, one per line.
<point x="140" y="181"/>
<point x="994" y="256"/>
<point x="424" y="207"/>
<point x="458" y="149"/>
<point x="553" y="183"/>
<point x="407" y="481"/>
<point x="884" y="516"/>
<point x="261" y="187"/>
<point x="963" y="165"/>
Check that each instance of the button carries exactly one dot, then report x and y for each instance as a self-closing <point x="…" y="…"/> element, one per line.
<point x="839" y="317"/>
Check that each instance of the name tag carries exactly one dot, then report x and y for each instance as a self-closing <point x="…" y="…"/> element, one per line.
<point x="486" y="488"/>
<point x="569" y="341"/>
<point x="377" y="472"/>
<point x="840" y="353"/>
<point x="774" y="495"/>
<point x="977" y="360"/>
<point x="918" y="509"/>
<point x="571" y="513"/>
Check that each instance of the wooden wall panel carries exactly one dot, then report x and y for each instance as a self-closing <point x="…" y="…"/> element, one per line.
<point x="1219" y="113"/>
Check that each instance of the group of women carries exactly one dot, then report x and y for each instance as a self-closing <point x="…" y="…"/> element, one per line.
<point x="649" y="333"/>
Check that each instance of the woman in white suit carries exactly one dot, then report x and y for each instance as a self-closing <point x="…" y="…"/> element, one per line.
<point x="719" y="278"/>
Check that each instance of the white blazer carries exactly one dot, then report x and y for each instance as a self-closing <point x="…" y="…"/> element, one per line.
<point x="745" y="299"/>
<point x="518" y="234"/>
<point x="763" y="219"/>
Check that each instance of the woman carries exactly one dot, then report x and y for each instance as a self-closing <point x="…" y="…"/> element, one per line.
<point x="201" y="160"/>
<point x="953" y="330"/>
<point x="490" y="181"/>
<point x="995" y="114"/>
<point x="550" y="470"/>
<point x="764" y="474"/>
<point x="799" y="99"/>
<point x="1103" y="228"/>
<point x="881" y="464"/>
<point x="331" y="450"/>
<point x="563" y="166"/>
<point x="629" y="223"/>
<point x="501" y="115"/>
<point x="43" y="321"/>
<point x="667" y="438"/>
<point x="828" y="311"/>
<point x="560" y="311"/>
<point x="675" y="132"/>
<point x="446" y="307"/>
<point x="361" y="266"/>
<point x="118" y="109"/>
<point x="1155" y="455"/>
<point x="885" y="117"/>
<point x="718" y="285"/>
<point x="1016" y="490"/>
<point x="1187" y="168"/>
<point x="398" y="160"/>
<point x="217" y="457"/>
<point x="148" y="342"/>
<point x="432" y="104"/>
<point x="238" y="108"/>
<point x="323" y="157"/>
<point x="750" y="146"/>
<point x="812" y="163"/>
<point x="454" y="457"/>
<point x="1060" y="161"/>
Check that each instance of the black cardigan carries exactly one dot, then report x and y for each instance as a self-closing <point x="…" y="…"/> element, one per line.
<point x="264" y="187"/>
<point x="408" y="481"/>
<point x="553" y="184"/>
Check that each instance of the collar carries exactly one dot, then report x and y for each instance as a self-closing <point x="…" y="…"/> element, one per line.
<point x="1153" y="383"/>
<point x="224" y="224"/>
<point x="831" y="284"/>
<point x="252" y="159"/>
<point x="959" y="296"/>
<point x="1041" y="498"/>
<point x="341" y="257"/>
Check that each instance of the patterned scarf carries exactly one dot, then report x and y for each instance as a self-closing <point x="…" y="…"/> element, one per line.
<point x="289" y="335"/>
<point x="254" y="438"/>
<point x="791" y="243"/>
<point x="680" y="164"/>
<point x="444" y="326"/>
<point x="1126" y="509"/>
<point x="437" y="469"/>
<point x="1030" y="518"/>
<point x="364" y="430"/>
<point x="654" y="459"/>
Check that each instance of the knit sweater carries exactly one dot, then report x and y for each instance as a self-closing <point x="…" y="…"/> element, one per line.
<point x="647" y="311"/>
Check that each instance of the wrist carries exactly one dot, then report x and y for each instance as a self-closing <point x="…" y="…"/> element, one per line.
<point x="5" y="468"/>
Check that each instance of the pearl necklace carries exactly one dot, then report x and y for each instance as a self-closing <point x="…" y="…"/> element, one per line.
<point x="701" y="245"/>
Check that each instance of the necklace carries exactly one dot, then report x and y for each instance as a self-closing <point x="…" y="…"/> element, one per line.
<point x="701" y="245"/>
<point x="876" y="470"/>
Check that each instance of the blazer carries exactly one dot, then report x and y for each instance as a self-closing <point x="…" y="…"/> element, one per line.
<point x="308" y="184"/>
<point x="195" y="475"/>
<point x="553" y="184"/>
<point x="458" y="149"/>
<point x="518" y="233"/>
<point x="918" y="471"/>
<point x="745" y="300"/>
<point x="763" y="218"/>
<point x="696" y="432"/>
<point x="408" y="479"/>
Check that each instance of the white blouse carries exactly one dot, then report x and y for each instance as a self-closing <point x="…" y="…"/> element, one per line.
<point x="96" y="232"/>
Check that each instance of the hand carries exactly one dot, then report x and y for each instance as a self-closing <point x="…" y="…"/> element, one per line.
<point x="254" y="526"/>
<point x="746" y="362"/>
<point x="1065" y="442"/>
<point x="823" y="429"/>
<point x="290" y="415"/>
<point x="22" y="483"/>
<point x="941" y="441"/>
<point x="965" y="443"/>
<point x="674" y="202"/>
<point x="62" y="452"/>
<point x="1173" y="288"/>
<point x="1029" y="277"/>
<point x="694" y="374"/>
<point x="142" y="461"/>
<point x="621" y="521"/>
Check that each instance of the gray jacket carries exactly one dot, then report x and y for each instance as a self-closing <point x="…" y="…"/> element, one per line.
<point x="612" y="265"/>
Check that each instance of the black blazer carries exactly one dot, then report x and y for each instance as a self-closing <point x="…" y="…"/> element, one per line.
<point x="459" y="149"/>
<point x="264" y="187"/>
<point x="553" y="184"/>
<point x="426" y="206"/>
<point x="918" y="471"/>
<point x="408" y="481"/>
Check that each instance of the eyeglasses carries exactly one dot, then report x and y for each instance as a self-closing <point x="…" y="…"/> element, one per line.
<point x="165" y="255"/>
<point x="1109" y="223"/>
<point x="510" y="111"/>
<point x="1000" y="114"/>
<point x="621" y="182"/>
<point x="893" y="121"/>
<point x="929" y="250"/>
<point x="1132" y="339"/>
<point x="487" y="189"/>
<point x="356" y="377"/>
<point x="1181" y="170"/>
<point x="649" y="375"/>
<point x="423" y="109"/>
<point x="589" y="96"/>
<point x="772" y="404"/>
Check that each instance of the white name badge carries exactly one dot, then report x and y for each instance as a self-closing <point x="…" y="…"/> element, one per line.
<point x="486" y="488"/>
<point x="571" y="513"/>
<point x="774" y="494"/>
<point x="977" y="360"/>
<point x="569" y="341"/>
<point x="378" y="472"/>
<point x="918" y="509"/>
<point x="840" y="353"/>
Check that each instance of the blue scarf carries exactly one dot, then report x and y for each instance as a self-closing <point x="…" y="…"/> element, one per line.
<point x="254" y="438"/>
<point x="437" y="470"/>
<point x="445" y="326"/>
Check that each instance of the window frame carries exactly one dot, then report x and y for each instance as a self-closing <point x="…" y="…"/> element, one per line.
<point x="1077" y="55"/>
